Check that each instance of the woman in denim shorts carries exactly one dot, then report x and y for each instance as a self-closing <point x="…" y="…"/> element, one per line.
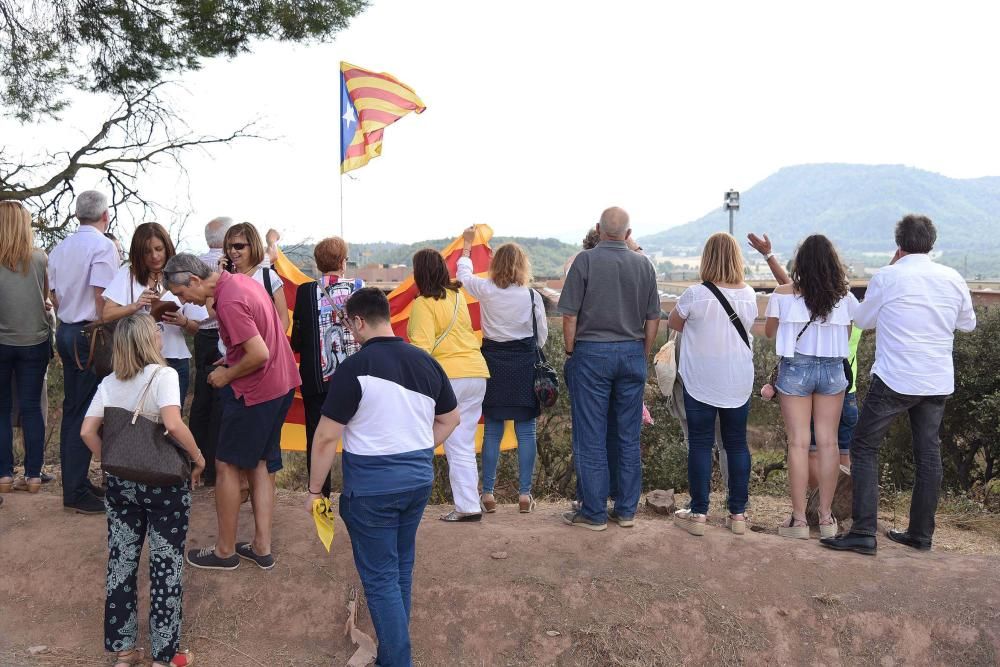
<point x="811" y="318"/>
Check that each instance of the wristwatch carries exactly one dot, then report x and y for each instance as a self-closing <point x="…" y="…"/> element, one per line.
<point x="768" y="256"/>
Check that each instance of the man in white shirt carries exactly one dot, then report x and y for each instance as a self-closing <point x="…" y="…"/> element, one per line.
<point x="206" y="408"/>
<point x="915" y="307"/>
<point x="80" y="268"/>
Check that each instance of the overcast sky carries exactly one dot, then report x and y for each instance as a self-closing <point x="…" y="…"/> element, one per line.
<point x="541" y="114"/>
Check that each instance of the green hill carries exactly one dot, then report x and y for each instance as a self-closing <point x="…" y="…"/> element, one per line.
<point x="857" y="207"/>
<point x="547" y="255"/>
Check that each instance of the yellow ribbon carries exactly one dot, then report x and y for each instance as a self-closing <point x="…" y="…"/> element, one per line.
<point x="323" y="516"/>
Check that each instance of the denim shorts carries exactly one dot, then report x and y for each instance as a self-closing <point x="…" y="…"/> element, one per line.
<point x="805" y="375"/>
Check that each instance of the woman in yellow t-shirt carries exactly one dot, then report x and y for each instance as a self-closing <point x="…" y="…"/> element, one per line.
<point x="440" y="324"/>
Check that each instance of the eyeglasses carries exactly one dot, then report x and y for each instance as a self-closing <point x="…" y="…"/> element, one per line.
<point x="159" y="327"/>
<point x="239" y="246"/>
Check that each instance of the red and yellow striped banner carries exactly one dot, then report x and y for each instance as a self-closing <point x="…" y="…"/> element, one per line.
<point x="293" y="433"/>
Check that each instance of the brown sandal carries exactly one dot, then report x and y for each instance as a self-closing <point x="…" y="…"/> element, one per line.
<point x="129" y="658"/>
<point x="800" y="532"/>
<point x="29" y="484"/>
<point x="488" y="506"/>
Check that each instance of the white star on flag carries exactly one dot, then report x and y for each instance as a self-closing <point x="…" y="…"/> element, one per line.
<point x="349" y="116"/>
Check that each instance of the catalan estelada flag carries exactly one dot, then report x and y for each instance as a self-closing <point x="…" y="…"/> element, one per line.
<point x="293" y="433"/>
<point x="369" y="102"/>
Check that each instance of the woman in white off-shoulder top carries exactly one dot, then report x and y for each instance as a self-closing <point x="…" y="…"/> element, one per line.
<point x="811" y="318"/>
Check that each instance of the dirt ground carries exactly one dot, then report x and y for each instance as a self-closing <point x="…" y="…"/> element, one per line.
<point x="650" y="595"/>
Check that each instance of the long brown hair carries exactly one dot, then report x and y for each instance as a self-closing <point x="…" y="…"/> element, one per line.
<point x="818" y="275"/>
<point x="143" y="234"/>
<point x="16" y="238"/>
<point x="431" y="274"/>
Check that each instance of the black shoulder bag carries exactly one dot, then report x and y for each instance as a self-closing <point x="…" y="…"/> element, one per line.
<point x="733" y="317"/>
<point x="546" y="378"/>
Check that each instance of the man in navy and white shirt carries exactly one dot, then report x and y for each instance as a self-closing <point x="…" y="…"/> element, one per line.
<point x="391" y="403"/>
<point x="915" y="306"/>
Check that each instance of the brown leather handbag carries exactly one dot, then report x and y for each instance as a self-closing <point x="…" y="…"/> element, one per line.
<point x="138" y="449"/>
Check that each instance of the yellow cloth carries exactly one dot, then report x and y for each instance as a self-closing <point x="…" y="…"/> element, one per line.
<point x="323" y="516"/>
<point x="458" y="353"/>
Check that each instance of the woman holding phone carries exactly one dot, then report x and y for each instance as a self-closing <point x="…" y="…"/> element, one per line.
<point x="139" y="287"/>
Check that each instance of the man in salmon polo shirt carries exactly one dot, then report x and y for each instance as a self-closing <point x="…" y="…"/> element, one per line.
<point x="256" y="386"/>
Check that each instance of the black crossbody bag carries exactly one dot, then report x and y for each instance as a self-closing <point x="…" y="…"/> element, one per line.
<point x="734" y="319"/>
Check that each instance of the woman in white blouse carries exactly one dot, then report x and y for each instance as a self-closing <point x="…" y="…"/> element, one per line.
<point x="811" y="317"/>
<point x="507" y="307"/>
<point x="139" y="287"/>
<point x="716" y="367"/>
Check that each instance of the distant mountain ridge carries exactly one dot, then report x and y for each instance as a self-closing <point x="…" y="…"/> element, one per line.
<point x="855" y="205"/>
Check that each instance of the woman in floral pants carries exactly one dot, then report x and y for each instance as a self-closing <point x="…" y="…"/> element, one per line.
<point x="137" y="511"/>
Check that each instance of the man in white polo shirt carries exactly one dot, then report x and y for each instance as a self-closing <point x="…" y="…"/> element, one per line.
<point x="391" y="402"/>
<point x="915" y="306"/>
<point x="80" y="268"/>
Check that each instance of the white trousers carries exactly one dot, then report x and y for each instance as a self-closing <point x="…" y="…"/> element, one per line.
<point x="460" y="447"/>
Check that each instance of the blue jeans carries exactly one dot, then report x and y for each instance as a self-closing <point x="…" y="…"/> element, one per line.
<point x="607" y="380"/>
<point x="183" y="368"/>
<point x="383" y="532"/>
<point x="701" y="439"/>
<point x="27" y="365"/>
<point x="612" y="446"/>
<point x="79" y="389"/>
<point x="526" y="451"/>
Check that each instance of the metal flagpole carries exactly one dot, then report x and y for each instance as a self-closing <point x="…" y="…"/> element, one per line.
<point x="340" y="166"/>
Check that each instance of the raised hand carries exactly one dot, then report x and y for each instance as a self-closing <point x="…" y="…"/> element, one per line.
<point x="761" y="245"/>
<point x="469" y="235"/>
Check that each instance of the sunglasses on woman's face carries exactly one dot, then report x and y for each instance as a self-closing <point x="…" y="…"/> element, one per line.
<point x="239" y="246"/>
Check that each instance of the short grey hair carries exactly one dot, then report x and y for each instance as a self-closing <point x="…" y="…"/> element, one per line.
<point x="614" y="222"/>
<point x="180" y="268"/>
<point x="215" y="231"/>
<point x="90" y="206"/>
<point x="915" y="234"/>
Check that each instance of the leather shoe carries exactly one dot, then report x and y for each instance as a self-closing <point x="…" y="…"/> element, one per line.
<point x="862" y="544"/>
<point x="98" y="491"/>
<point x="906" y="539"/>
<point x="89" y="504"/>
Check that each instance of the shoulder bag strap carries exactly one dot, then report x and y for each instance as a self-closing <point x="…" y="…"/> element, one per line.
<point x="267" y="282"/>
<point x="733" y="317"/>
<point x="142" y="397"/>
<point x="534" y="322"/>
<point x="454" y="318"/>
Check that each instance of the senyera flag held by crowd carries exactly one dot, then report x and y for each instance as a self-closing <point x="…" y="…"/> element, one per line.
<point x="293" y="434"/>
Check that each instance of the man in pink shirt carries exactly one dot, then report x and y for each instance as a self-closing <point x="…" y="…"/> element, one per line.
<point x="256" y="386"/>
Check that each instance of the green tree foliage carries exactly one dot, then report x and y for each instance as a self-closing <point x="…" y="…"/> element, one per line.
<point x="119" y="46"/>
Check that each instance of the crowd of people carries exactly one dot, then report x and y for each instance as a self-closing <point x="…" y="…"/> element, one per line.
<point x="353" y="371"/>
